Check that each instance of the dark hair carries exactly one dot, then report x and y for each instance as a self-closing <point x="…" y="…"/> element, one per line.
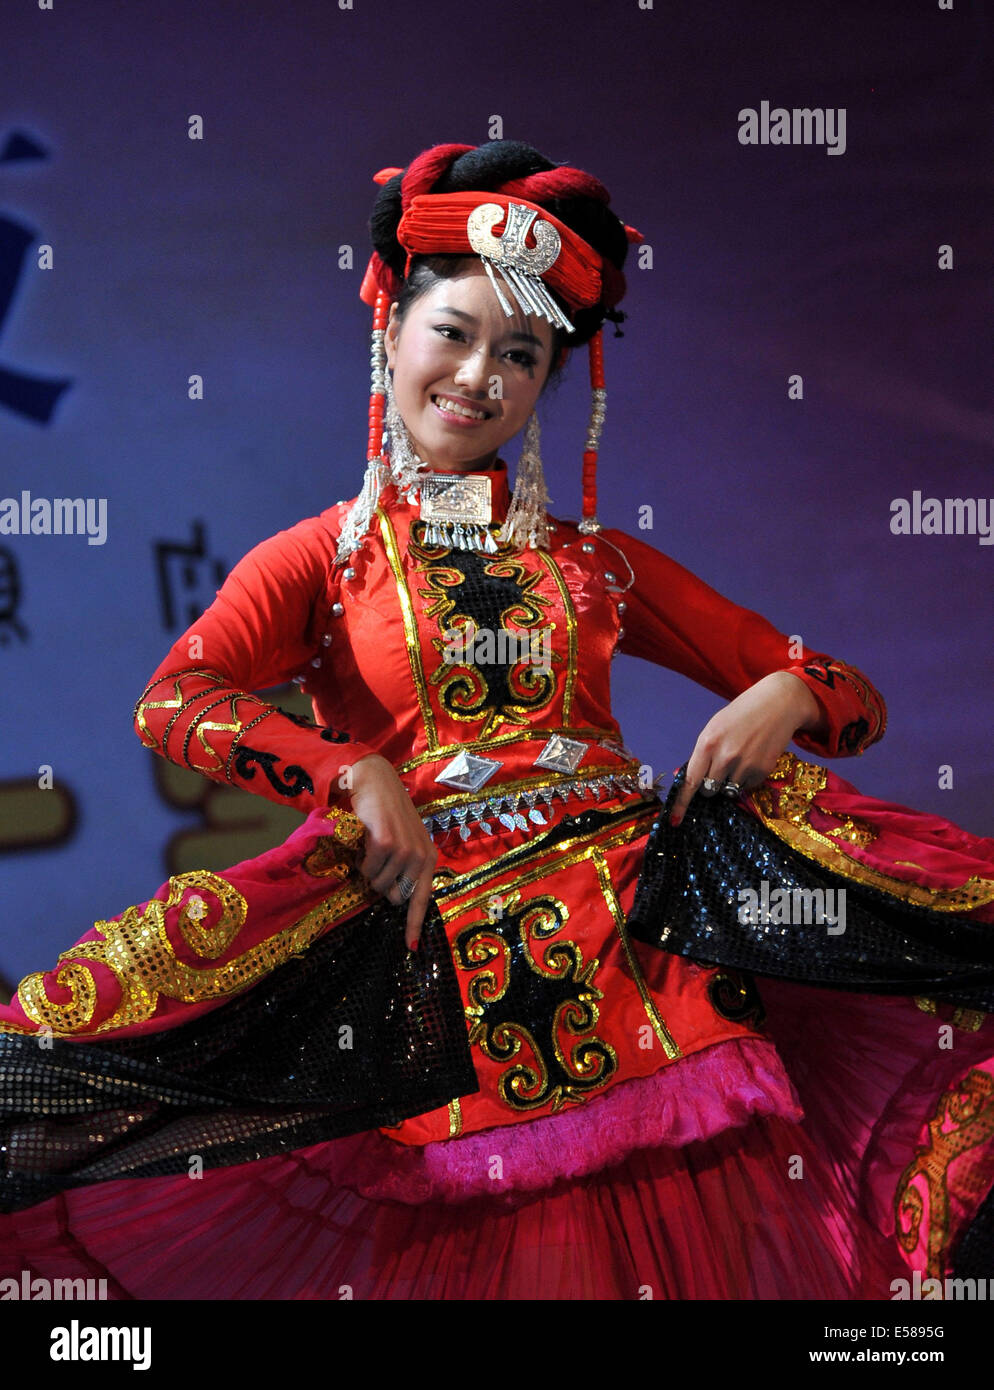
<point x="578" y="201"/>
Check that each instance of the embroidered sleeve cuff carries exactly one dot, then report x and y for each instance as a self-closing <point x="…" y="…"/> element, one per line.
<point x="854" y="709"/>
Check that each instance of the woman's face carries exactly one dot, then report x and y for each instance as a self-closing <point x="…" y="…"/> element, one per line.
<point x="456" y="347"/>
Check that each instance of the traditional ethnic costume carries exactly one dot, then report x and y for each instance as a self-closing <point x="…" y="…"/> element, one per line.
<point x="598" y="1074"/>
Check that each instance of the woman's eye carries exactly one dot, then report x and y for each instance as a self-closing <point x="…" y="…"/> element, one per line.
<point x="522" y="358"/>
<point x="446" y="328"/>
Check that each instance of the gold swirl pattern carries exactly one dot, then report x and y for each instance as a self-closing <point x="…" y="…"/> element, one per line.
<point x="208" y="912"/>
<point x="547" y="998"/>
<point x="464" y="692"/>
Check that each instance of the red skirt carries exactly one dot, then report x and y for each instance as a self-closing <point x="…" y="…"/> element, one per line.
<point x="721" y="1219"/>
<point x="887" y="1168"/>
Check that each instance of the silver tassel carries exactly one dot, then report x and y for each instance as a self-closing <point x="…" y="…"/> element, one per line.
<point x="527" y="521"/>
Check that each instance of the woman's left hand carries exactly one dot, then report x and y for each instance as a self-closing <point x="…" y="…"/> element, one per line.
<point x="744" y="740"/>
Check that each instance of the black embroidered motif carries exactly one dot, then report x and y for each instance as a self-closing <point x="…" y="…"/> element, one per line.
<point x="297" y="780"/>
<point x="329" y="734"/>
<point x="859" y="733"/>
<point x="852" y="736"/>
<point x="736" y="997"/>
<point x="526" y="1005"/>
<point x="821" y="673"/>
<point x="499" y="680"/>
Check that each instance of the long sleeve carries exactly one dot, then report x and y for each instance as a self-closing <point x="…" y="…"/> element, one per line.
<point x="263" y="628"/>
<point x="676" y="620"/>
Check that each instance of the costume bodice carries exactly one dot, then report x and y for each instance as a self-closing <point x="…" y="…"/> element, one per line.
<point x="484" y="678"/>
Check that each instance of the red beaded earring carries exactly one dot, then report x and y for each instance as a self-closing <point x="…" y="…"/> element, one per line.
<point x="589" y="522"/>
<point x="378" y="374"/>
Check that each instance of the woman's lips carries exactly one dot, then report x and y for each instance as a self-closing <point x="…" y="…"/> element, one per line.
<point x="454" y="418"/>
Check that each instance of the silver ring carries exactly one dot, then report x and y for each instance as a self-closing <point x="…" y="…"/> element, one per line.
<point x="731" y="788"/>
<point x="406" y="885"/>
<point x="709" y="786"/>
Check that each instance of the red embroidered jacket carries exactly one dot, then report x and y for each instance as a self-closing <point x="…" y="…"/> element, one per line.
<point x="287" y="612"/>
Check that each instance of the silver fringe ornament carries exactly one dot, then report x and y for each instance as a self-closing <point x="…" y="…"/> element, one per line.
<point x="527" y="521"/>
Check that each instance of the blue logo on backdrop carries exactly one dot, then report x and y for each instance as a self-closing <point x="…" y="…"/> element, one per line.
<point x="33" y="397"/>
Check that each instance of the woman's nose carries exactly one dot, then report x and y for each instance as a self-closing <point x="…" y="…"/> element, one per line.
<point x="474" y="371"/>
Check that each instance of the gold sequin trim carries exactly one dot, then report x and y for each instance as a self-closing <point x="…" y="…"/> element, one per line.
<point x="967" y="1020"/>
<point x="786" y="812"/>
<point x="411" y="636"/>
<point x="664" y="1035"/>
<point x="137" y="950"/>
<point x="326" y="859"/>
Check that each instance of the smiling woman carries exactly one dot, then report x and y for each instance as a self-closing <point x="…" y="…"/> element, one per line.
<point x="487" y="1025"/>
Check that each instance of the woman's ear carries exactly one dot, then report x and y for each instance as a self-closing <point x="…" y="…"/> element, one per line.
<point x="390" y="336"/>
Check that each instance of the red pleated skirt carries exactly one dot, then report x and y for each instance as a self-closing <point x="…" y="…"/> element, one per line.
<point x="756" y="1212"/>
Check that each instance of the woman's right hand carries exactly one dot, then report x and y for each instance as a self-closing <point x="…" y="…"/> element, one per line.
<point x="396" y="840"/>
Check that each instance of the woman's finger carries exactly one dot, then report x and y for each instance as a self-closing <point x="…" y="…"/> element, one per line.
<point x="384" y="878"/>
<point x="417" y="909"/>
<point x="697" y="769"/>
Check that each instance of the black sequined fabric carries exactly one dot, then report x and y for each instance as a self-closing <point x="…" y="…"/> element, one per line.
<point x="688" y="903"/>
<point x="356" y="1033"/>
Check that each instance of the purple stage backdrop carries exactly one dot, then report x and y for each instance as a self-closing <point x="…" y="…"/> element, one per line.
<point x="184" y="189"/>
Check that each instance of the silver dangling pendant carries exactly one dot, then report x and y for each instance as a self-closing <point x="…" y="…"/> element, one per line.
<point x="527" y="521"/>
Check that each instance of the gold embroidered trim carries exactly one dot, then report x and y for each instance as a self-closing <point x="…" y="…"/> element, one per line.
<point x="411" y="636"/>
<point x="138" y="952"/>
<point x="559" y="853"/>
<point x="543" y="779"/>
<point x="142" y="704"/>
<point x="669" y="1044"/>
<point x="571" y="631"/>
<point x="442" y="753"/>
<point x="455" y="1119"/>
<point x="963" y="1119"/>
<point x="790" y="822"/>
